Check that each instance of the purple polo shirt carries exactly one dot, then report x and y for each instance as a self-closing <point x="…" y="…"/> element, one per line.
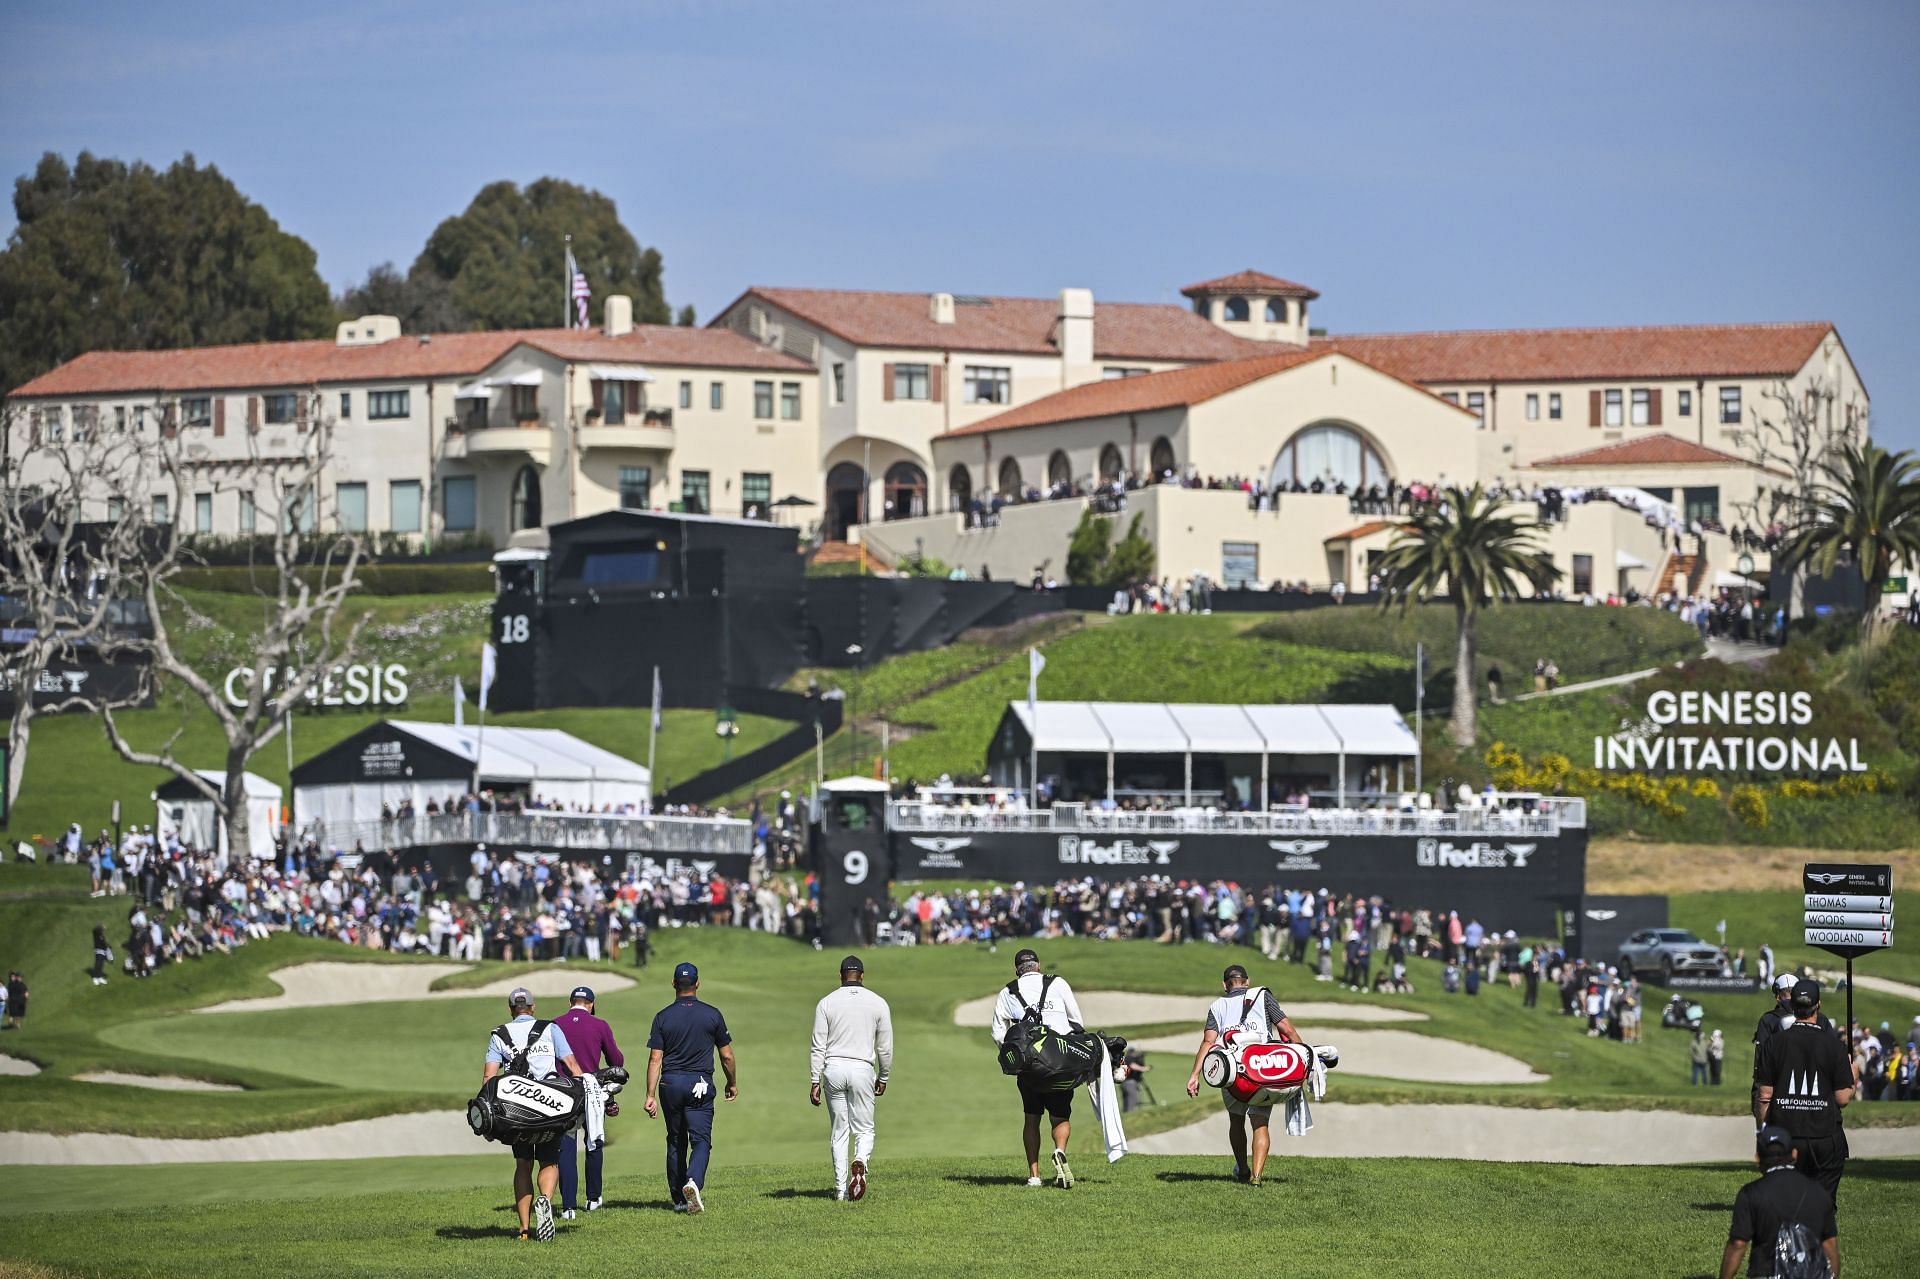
<point x="591" y="1039"/>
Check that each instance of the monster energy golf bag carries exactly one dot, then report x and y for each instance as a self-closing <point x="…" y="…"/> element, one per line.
<point x="1035" y="1051"/>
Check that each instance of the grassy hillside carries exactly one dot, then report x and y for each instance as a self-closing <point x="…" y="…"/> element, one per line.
<point x="1584" y="642"/>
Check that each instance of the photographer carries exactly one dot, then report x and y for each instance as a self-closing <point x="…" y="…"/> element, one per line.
<point x="1135" y="1064"/>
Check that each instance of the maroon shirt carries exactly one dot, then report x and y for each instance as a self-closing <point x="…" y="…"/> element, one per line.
<point x="590" y="1038"/>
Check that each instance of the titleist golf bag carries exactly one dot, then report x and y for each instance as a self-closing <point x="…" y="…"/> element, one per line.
<point x="1035" y="1051"/>
<point x="514" y="1106"/>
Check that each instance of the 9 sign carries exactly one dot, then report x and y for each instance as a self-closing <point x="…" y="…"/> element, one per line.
<point x="857" y="866"/>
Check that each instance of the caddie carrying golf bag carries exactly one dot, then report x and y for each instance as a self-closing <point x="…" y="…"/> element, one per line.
<point x="1036" y="1051"/>
<point x="514" y="1106"/>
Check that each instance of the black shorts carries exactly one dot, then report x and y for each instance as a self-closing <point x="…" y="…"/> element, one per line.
<point x="1057" y="1103"/>
<point x="541" y="1152"/>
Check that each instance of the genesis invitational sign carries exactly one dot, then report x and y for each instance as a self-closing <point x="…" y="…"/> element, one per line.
<point x="1722" y="737"/>
<point x="374" y="685"/>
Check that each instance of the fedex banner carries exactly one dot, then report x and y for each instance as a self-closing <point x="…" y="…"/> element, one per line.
<point x="1517" y="883"/>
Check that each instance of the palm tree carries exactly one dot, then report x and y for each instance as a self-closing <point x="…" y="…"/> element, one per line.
<point x="1463" y="545"/>
<point x="1867" y="505"/>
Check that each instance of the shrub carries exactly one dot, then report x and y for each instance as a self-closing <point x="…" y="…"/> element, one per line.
<point x="1749" y="804"/>
<point x="1705" y="788"/>
<point x="374" y="579"/>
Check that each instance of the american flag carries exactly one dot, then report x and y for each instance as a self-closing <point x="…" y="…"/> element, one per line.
<point x="580" y="290"/>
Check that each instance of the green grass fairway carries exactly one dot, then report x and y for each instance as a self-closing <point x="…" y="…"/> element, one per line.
<point x="930" y="1216"/>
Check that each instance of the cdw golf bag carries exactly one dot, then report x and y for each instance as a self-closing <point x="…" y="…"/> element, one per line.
<point x="514" y="1106"/>
<point x="1258" y="1074"/>
<point x="1036" y="1051"/>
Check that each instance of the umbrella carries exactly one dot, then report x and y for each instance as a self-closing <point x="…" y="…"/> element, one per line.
<point x="794" y="499"/>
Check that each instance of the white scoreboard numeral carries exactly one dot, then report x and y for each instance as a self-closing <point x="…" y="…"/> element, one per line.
<point x="857" y="866"/>
<point x="513" y="629"/>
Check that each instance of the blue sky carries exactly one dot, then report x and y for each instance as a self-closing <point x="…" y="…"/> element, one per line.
<point x="1423" y="165"/>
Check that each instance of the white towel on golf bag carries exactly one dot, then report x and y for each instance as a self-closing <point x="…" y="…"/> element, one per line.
<point x="1299" y="1113"/>
<point x="1106" y="1108"/>
<point x="595" y="1121"/>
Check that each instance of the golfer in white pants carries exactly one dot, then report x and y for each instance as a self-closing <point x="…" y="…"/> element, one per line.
<point x="851" y="1059"/>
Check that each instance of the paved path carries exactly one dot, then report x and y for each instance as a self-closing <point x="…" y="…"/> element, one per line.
<point x="437" y="1132"/>
<point x="1506" y="1134"/>
<point x="326" y="983"/>
<point x="1394" y="1054"/>
<point x="1584" y="685"/>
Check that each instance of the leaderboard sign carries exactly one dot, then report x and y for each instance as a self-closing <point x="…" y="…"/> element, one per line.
<point x="1849" y="909"/>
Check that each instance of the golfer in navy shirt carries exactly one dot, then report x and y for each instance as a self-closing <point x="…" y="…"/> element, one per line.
<point x="680" y="1081"/>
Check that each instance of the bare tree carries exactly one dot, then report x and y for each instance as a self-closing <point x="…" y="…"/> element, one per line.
<point x="1789" y="438"/>
<point x="307" y="629"/>
<point x="62" y="576"/>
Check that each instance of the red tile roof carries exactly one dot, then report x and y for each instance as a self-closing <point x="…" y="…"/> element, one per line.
<point x="1365" y="530"/>
<point x="445" y="355"/>
<point x="1650" y="450"/>
<point x="1251" y="281"/>
<point x="1019" y="326"/>
<point x="1547" y="355"/>
<point x="1174" y="388"/>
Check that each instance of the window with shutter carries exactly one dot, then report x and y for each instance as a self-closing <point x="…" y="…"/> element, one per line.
<point x="253" y="414"/>
<point x="1653" y="407"/>
<point x="220" y="415"/>
<point x="933" y="383"/>
<point x="886" y="381"/>
<point x="1593" y="408"/>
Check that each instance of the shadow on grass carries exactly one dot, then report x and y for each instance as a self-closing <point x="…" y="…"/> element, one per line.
<point x="987" y="1179"/>
<point x="1212" y="1176"/>
<point x="790" y="1192"/>
<point x="657" y="1205"/>
<point x="1711" y="1207"/>
<point x="478" y="1232"/>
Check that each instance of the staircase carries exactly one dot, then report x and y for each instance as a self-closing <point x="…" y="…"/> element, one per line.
<point x="1685" y="565"/>
<point x="847" y="553"/>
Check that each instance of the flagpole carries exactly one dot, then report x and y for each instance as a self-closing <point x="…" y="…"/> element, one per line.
<point x="653" y="728"/>
<point x="566" y="289"/>
<point x="1419" y="708"/>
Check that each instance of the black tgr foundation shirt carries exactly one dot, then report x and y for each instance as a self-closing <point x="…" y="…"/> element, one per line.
<point x="1804" y="1065"/>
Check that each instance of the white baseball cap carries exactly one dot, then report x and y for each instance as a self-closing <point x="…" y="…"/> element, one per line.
<point x="1784" y="981"/>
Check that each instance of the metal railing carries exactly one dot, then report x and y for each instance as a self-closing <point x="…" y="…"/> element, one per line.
<point x="914" y="815"/>
<point x="585" y="832"/>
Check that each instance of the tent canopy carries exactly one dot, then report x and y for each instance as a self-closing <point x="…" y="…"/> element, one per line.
<point x="527" y="756"/>
<point x="618" y="373"/>
<point x="1627" y="559"/>
<point x="257" y="787"/>
<point x="1156" y="728"/>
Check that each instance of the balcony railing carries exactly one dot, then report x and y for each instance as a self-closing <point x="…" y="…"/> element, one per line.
<point x="584" y="832"/>
<point x="1546" y="819"/>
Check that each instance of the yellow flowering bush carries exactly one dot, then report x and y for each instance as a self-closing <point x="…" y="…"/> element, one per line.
<point x="1749" y="804"/>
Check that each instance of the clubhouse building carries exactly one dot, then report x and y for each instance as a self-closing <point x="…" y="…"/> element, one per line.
<point x="1246" y="439"/>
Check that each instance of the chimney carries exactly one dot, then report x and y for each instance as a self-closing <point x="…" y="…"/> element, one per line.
<point x="1076" y="329"/>
<point x="619" y="315"/>
<point x="940" y="308"/>
<point x="368" y="330"/>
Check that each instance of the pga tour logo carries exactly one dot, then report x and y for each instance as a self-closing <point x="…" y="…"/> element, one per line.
<point x="1479" y="855"/>
<point x="1075" y="851"/>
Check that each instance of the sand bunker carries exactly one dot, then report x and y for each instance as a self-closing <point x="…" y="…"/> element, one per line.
<point x="17" y="1066"/>
<point x="1508" y="1135"/>
<point x="438" y="1132"/>
<point x="167" y="1083"/>
<point x="1397" y="1054"/>
<point x="327" y="983"/>
<point x="1126" y="1008"/>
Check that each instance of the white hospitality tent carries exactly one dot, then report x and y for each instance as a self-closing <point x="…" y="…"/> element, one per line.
<point x="181" y="809"/>
<point x="1239" y="742"/>
<point x="398" y="759"/>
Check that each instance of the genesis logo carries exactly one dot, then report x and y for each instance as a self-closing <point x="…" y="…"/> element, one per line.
<point x="1602" y="916"/>
<point x="1075" y="851"/>
<point x="1297" y="854"/>
<point x="941" y="843"/>
<point x="1479" y="855"/>
<point x="1828" y="877"/>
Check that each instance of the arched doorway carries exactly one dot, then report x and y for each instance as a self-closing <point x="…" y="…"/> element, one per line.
<point x="1059" y="472"/>
<point x="525" y="511"/>
<point x="906" y="491"/>
<point x="1331" y="453"/>
<point x="1112" y="465"/>
<point x="844" y="486"/>
<point x="959" y="489"/>
<point x="1010" y="479"/>
<point x="1162" y="455"/>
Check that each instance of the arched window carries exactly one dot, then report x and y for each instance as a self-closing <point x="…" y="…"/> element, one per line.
<point x="846" y="488"/>
<point x="1010" y="479"/>
<point x="906" y="491"/>
<point x="959" y="489"/>
<point x="1112" y="465"/>
<point x="1162" y="455"/>
<point x="1276" y="310"/>
<point x="1236" y="309"/>
<point x="1330" y="453"/>
<point x="1059" y="470"/>
<point x="526" y="499"/>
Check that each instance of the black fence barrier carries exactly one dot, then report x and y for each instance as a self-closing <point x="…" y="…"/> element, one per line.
<point x="451" y="862"/>
<point x="1525" y="882"/>
<point x="804" y="711"/>
<point x="1602" y="924"/>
